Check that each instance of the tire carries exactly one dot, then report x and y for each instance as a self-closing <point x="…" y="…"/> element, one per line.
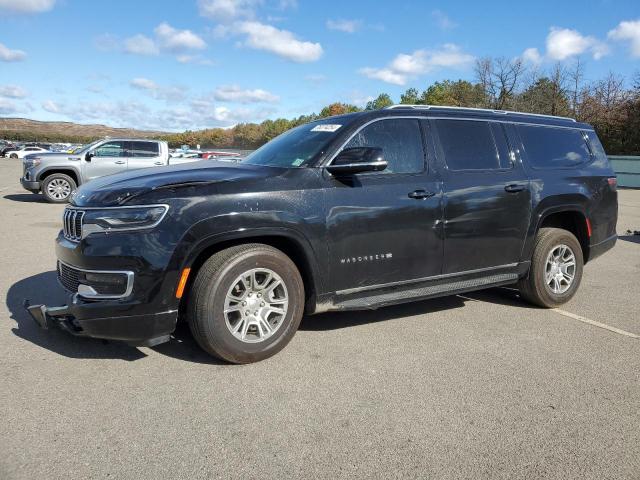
<point x="535" y="288"/>
<point x="66" y="184"/>
<point x="210" y="294"/>
<point x="13" y="155"/>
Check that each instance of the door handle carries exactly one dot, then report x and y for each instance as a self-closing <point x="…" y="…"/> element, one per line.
<point x="120" y="162"/>
<point x="514" y="188"/>
<point x="158" y="163"/>
<point x="421" y="194"/>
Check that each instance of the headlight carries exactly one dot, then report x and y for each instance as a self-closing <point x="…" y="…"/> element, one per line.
<point x="32" y="162"/>
<point x="122" y="218"/>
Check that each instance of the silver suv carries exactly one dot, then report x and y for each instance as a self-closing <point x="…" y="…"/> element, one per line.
<point x="57" y="175"/>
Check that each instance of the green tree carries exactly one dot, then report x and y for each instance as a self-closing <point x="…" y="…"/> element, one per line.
<point x="383" y="100"/>
<point x="410" y="97"/>
<point x="460" y="93"/>
<point x="338" y="108"/>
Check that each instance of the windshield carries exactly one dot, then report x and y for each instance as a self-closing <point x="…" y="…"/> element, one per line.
<point x="298" y="146"/>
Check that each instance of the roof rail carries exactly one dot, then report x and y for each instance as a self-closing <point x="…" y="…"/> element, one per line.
<point x="485" y="110"/>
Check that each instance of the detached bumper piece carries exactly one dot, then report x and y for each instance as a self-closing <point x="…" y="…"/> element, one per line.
<point x="46" y="317"/>
<point x="77" y="319"/>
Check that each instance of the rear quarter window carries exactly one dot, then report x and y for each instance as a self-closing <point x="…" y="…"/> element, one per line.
<point x="549" y="147"/>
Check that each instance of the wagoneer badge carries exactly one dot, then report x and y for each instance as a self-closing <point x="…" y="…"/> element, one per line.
<point x="367" y="258"/>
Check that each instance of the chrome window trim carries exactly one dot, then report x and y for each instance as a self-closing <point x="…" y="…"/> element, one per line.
<point x="128" y="273"/>
<point x="432" y="117"/>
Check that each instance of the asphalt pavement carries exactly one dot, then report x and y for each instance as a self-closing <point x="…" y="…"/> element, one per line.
<point x="474" y="386"/>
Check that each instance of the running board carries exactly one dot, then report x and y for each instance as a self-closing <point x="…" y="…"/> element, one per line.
<point x="391" y="296"/>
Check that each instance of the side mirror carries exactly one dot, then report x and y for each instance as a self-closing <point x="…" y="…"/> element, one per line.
<point x="89" y="155"/>
<point x="357" y="160"/>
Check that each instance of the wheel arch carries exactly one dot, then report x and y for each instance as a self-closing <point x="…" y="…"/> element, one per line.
<point x="572" y="217"/>
<point x="290" y="242"/>
<point x="47" y="172"/>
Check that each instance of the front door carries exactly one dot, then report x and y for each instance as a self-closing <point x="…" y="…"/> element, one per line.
<point x="487" y="201"/>
<point x="107" y="159"/>
<point x="384" y="227"/>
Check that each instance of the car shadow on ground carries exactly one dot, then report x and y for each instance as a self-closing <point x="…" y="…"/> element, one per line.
<point x="630" y="238"/>
<point x="25" y="198"/>
<point x="43" y="288"/>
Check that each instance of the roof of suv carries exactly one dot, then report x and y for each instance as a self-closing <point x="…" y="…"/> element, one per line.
<point x="457" y="112"/>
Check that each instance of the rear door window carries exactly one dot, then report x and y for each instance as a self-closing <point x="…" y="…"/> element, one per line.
<point x="549" y="147"/>
<point x="473" y="145"/>
<point x="144" y="149"/>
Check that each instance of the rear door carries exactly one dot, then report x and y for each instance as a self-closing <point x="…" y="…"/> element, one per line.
<point x="109" y="158"/>
<point x="143" y="154"/>
<point x="487" y="200"/>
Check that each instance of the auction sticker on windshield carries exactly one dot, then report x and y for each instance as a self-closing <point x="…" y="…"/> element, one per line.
<point x="328" y="127"/>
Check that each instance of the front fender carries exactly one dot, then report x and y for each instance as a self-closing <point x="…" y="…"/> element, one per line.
<point x="263" y="227"/>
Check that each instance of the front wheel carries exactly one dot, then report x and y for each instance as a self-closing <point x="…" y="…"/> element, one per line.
<point x="556" y="269"/>
<point x="246" y="303"/>
<point x="57" y="188"/>
<point x="13" y="155"/>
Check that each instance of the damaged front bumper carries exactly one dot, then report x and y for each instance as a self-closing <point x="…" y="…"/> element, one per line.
<point x="76" y="318"/>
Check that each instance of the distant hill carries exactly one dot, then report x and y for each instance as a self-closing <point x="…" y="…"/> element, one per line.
<point x="25" y="129"/>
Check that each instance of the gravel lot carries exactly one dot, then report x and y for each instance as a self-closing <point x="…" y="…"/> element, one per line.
<point x="481" y="386"/>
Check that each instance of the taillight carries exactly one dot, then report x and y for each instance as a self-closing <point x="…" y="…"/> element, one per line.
<point x="613" y="182"/>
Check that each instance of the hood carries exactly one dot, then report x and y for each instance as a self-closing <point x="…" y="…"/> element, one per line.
<point x="121" y="188"/>
<point x="55" y="156"/>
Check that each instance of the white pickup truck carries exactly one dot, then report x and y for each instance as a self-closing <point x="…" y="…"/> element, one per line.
<point x="57" y="175"/>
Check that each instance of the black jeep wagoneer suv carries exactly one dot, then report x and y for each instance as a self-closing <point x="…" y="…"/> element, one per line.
<point x="350" y="212"/>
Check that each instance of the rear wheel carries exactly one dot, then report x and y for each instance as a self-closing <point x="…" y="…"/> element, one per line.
<point x="57" y="188"/>
<point x="14" y="155"/>
<point x="556" y="269"/>
<point x="246" y="303"/>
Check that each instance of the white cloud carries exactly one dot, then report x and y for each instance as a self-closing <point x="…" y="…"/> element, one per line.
<point x="51" y="106"/>
<point x="281" y="42"/>
<point x="143" y="84"/>
<point x="170" y="94"/>
<point x="442" y="20"/>
<point x="316" y="78"/>
<point x="227" y="10"/>
<point x="175" y="40"/>
<point x="233" y="93"/>
<point x="628" y="31"/>
<point x="532" y="55"/>
<point x="563" y="43"/>
<point x="141" y="45"/>
<point x="196" y="59"/>
<point x="12" y="91"/>
<point x="405" y="66"/>
<point x="8" y="55"/>
<point x="7" y="106"/>
<point x="342" y="25"/>
<point x="27" y="6"/>
<point x="385" y="74"/>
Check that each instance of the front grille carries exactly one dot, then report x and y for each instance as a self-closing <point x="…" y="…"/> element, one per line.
<point x="68" y="277"/>
<point x="72" y="224"/>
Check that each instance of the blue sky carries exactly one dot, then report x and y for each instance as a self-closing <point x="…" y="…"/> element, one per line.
<point x="203" y="63"/>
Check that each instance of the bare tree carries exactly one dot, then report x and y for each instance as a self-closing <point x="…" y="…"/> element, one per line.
<point x="500" y="79"/>
<point x="576" y="77"/>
